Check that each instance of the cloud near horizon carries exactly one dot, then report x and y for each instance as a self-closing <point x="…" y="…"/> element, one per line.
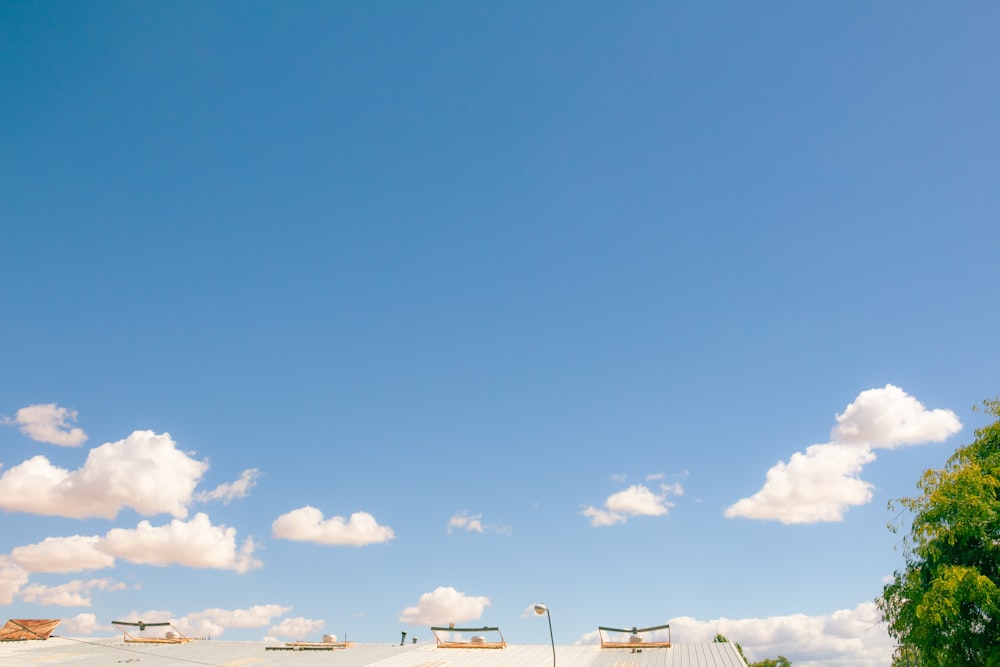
<point x="444" y="605"/>
<point x="822" y="483"/>
<point x="145" y="472"/>
<point x="213" y="622"/>
<point x="48" y="423"/>
<point x="297" y="628"/>
<point x="82" y="624"/>
<point x="846" y="638"/>
<point x="71" y="594"/>
<point x="307" y="524"/>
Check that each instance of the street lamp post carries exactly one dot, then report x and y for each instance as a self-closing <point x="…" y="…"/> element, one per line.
<point x="542" y="609"/>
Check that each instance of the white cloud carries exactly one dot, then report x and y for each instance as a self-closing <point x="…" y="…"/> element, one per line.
<point x="306" y="524"/>
<point x="12" y="577"/>
<point x="297" y="628"/>
<point x="819" y="485"/>
<point x="214" y="622"/>
<point x="846" y="638"/>
<point x="473" y="524"/>
<point x="889" y="418"/>
<point x="637" y="500"/>
<point x="195" y="543"/>
<point x="466" y="522"/>
<point x="81" y="624"/>
<point x="145" y="472"/>
<point x="822" y="483"/>
<point x="71" y="594"/>
<point x="599" y="517"/>
<point x="75" y="553"/>
<point x="48" y="423"/>
<point x="675" y="489"/>
<point x="229" y="491"/>
<point x="443" y="606"/>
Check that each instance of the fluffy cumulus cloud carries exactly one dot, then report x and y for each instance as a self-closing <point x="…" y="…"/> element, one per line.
<point x="818" y="485"/>
<point x="48" y="423"/>
<point x="889" y="418"/>
<point x="76" y="553"/>
<point x="307" y="524"/>
<point x="71" y="594"/>
<point x="297" y="628"/>
<point x="214" y="622"/>
<point x="81" y="624"/>
<point x="195" y="543"/>
<point x="145" y="472"/>
<point x="636" y="500"/>
<point x="823" y="482"/>
<point x="12" y="578"/>
<point x="444" y="605"/>
<point x="230" y="491"/>
<point x="845" y="638"/>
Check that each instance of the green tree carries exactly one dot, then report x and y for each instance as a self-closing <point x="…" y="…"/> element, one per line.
<point x="905" y="656"/>
<point x="944" y="607"/>
<point x="781" y="660"/>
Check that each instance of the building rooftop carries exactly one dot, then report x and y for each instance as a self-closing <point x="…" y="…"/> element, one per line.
<point x="87" y="652"/>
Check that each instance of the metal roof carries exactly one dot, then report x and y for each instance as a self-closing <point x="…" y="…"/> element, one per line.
<point x="85" y="652"/>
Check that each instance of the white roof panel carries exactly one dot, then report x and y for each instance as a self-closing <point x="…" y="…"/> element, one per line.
<point x="84" y="652"/>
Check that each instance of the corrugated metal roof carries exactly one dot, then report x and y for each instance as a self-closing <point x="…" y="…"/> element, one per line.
<point x="678" y="655"/>
<point x="216" y="653"/>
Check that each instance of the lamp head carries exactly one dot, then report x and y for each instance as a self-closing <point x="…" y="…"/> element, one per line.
<point x="540" y="609"/>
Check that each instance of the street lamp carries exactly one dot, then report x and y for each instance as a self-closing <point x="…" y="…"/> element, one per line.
<point x="542" y="609"/>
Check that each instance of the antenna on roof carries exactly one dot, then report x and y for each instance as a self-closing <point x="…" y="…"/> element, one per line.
<point x="476" y="641"/>
<point x="635" y="638"/>
<point x="173" y="636"/>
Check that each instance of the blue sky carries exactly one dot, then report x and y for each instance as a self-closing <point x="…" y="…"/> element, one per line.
<point x="554" y="298"/>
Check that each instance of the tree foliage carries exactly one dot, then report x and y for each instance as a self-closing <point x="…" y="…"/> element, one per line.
<point x="944" y="607"/>
<point x="780" y="661"/>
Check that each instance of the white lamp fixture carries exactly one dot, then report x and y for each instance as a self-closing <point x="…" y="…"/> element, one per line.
<point x="543" y="609"/>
